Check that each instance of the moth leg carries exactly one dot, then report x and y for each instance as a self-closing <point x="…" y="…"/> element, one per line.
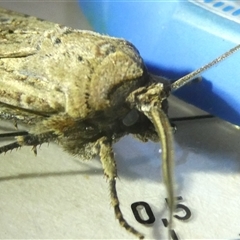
<point x="149" y="102"/>
<point x="164" y="130"/>
<point x="110" y="171"/>
<point x="9" y="147"/>
<point x="13" y="134"/>
<point x="28" y="140"/>
<point x="189" y="118"/>
<point x="18" y="115"/>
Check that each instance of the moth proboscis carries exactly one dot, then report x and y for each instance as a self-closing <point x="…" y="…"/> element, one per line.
<point x="85" y="91"/>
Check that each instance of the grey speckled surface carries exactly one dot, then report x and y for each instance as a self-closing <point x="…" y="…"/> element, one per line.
<point x="57" y="196"/>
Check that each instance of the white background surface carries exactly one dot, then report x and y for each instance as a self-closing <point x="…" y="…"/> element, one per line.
<point x="57" y="196"/>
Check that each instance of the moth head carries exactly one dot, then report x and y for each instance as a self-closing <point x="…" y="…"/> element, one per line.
<point x="143" y="99"/>
<point x="150" y="101"/>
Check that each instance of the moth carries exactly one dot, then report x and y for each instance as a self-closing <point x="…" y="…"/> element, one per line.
<point x="84" y="91"/>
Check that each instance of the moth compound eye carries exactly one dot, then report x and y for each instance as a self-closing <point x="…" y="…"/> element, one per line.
<point x="131" y="118"/>
<point x="165" y="105"/>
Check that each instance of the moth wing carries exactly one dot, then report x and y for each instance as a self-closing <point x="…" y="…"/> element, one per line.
<point x="15" y="31"/>
<point x="22" y="82"/>
<point x="49" y="69"/>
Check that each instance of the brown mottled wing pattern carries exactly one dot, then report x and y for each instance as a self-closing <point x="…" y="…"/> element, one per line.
<point x="21" y="83"/>
<point x="48" y="69"/>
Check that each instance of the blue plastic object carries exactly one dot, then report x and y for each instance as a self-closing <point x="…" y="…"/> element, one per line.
<point x="177" y="37"/>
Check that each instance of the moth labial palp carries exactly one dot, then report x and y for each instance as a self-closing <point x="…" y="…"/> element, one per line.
<point x="85" y="91"/>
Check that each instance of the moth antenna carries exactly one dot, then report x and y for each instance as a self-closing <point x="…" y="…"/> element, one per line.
<point x="189" y="77"/>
